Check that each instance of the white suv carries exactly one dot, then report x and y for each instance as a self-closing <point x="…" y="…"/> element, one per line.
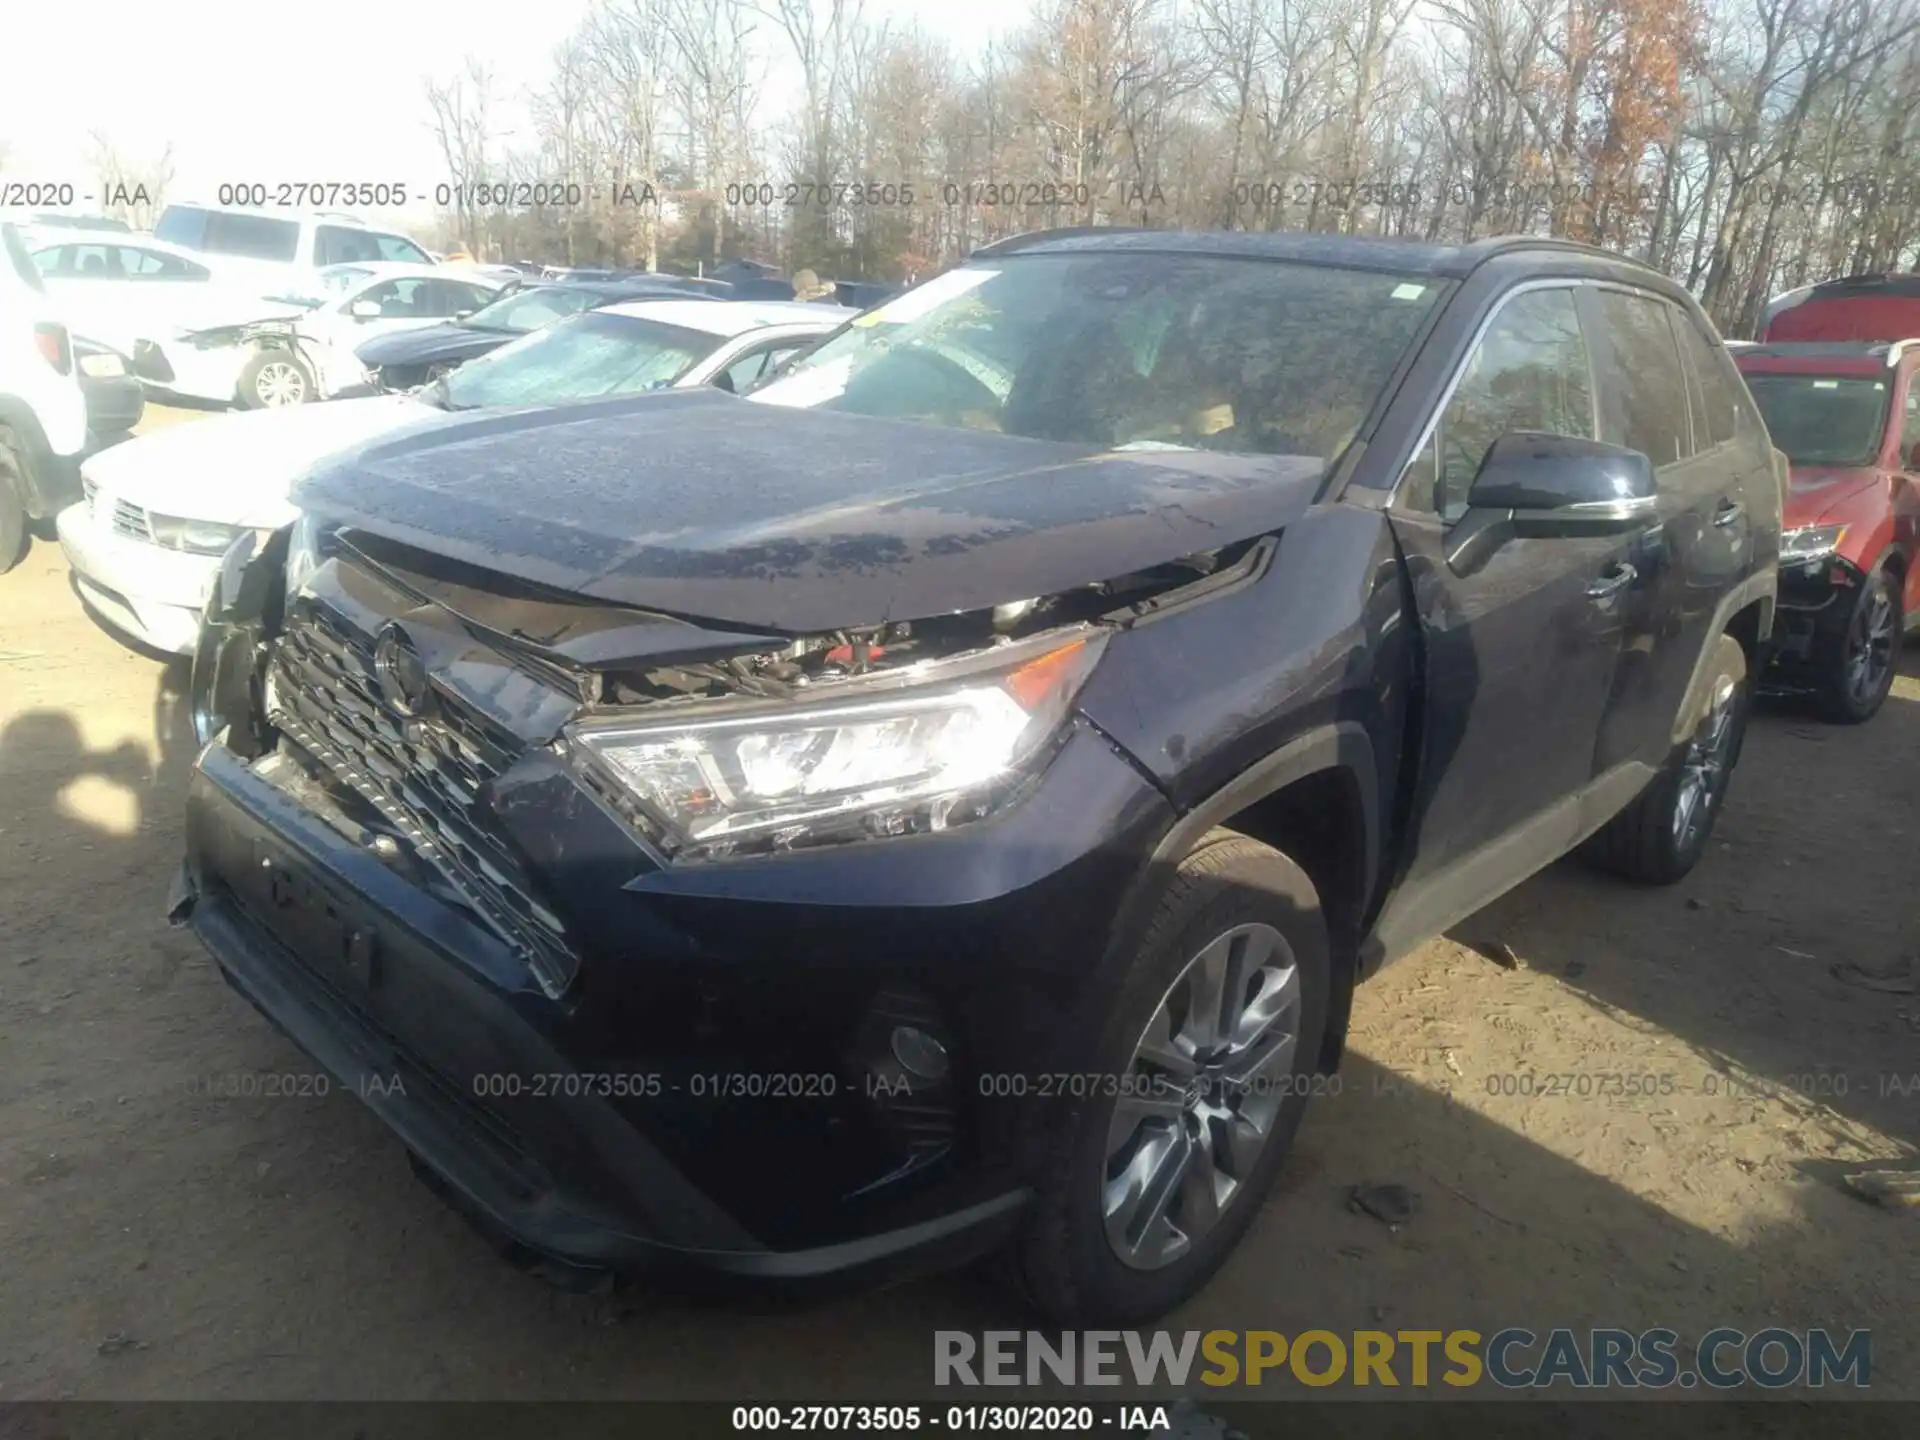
<point x="276" y="245"/>
<point x="43" y="411"/>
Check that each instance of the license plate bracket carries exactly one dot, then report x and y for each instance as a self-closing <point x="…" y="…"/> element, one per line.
<point x="334" y="942"/>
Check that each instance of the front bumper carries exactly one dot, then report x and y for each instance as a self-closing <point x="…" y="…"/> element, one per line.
<point x="177" y="368"/>
<point x="420" y="1010"/>
<point x="152" y="594"/>
<point x="1816" y="601"/>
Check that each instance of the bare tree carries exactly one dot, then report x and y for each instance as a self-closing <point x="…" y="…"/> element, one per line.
<point x="131" y="190"/>
<point x="461" y="110"/>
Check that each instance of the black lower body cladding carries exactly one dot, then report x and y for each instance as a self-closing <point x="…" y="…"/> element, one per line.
<point x="723" y="1071"/>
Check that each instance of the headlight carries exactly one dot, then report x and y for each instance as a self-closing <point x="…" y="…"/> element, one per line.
<point x="922" y="748"/>
<point x="1810" y="542"/>
<point x="196" y="537"/>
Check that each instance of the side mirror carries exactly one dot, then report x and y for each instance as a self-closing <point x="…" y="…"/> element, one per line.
<point x="365" y="310"/>
<point x="461" y="314"/>
<point x="1560" y="485"/>
<point x="1542" y="486"/>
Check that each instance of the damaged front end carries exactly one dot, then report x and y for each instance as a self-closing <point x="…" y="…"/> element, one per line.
<point x="698" y="848"/>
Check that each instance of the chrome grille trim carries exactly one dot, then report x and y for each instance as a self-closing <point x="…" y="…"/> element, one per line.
<point x="130" y="520"/>
<point x="424" y="777"/>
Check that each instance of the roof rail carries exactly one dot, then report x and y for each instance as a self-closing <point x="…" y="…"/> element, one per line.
<point x="1495" y="245"/>
<point x="1065" y="232"/>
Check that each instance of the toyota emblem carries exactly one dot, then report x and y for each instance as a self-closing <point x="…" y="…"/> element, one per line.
<point x="401" y="673"/>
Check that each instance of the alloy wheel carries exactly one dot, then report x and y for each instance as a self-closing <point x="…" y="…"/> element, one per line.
<point x="1870" y="646"/>
<point x="1198" y="1102"/>
<point x="280" y="383"/>
<point x="1704" y="766"/>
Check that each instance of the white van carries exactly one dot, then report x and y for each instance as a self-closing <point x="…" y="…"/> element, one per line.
<point x="274" y="245"/>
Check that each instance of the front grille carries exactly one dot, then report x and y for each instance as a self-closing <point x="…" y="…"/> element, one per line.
<point x="131" y="521"/>
<point x="425" y="777"/>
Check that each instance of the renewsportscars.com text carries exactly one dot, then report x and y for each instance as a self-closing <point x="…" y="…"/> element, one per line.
<point x="1512" y="1358"/>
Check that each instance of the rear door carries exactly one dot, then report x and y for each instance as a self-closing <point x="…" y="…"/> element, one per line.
<point x="1699" y="545"/>
<point x="1521" y="643"/>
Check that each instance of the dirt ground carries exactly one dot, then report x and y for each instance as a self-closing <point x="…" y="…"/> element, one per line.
<point x="160" y="1241"/>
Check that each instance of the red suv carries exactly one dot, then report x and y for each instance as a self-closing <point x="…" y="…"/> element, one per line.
<point x="1847" y="415"/>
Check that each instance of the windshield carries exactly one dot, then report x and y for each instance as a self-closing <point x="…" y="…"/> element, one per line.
<point x="1127" y="350"/>
<point x="588" y="355"/>
<point x="526" y="310"/>
<point x="1822" y="419"/>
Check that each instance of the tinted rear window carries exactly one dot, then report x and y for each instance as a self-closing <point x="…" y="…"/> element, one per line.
<point x="224" y="232"/>
<point x="182" y="225"/>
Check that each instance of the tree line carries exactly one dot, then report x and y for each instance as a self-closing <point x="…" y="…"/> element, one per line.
<point x="1743" y="146"/>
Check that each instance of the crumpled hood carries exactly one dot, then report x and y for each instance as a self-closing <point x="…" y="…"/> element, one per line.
<point x="237" y="469"/>
<point x="798" y="521"/>
<point x="1813" y="490"/>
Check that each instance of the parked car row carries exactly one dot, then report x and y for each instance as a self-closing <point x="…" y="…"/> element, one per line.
<point x="960" y="757"/>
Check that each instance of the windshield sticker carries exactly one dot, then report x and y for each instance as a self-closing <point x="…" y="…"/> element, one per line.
<point x="925" y="298"/>
<point x="1408" y="292"/>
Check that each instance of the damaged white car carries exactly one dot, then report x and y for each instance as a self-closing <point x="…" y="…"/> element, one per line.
<point x="297" y="347"/>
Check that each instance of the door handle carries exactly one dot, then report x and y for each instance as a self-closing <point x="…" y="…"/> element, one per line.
<point x="1729" y="511"/>
<point x="1609" y="585"/>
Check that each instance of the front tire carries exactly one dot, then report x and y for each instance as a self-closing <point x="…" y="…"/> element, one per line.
<point x="13" y="507"/>
<point x="273" y="378"/>
<point x="1856" y="674"/>
<point x="1661" y="836"/>
<point x="1211" y="1027"/>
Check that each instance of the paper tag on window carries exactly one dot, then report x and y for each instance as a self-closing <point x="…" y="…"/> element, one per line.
<point x="1408" y="292"/>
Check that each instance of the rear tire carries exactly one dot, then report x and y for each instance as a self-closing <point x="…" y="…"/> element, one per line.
<point x="1239" y="922"/>
<point x="1856" y="674"/>
<point x="273" y="378"/>
<point x="1661" y="836"/>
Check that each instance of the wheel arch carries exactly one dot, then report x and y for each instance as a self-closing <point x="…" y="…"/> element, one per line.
<point x="1745" y="612"/>
<point x="1316" y="800"/>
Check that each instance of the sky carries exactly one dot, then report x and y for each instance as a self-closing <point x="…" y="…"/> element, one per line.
<point x="331" y="93"/>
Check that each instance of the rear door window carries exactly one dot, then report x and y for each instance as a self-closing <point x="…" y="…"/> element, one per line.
<point x="94" y="262"/>
<point x="141" y="264"/>
<point x="1719" y="382"/>
<point x="1644" y="400"/>
<point x="253" y="237"/>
